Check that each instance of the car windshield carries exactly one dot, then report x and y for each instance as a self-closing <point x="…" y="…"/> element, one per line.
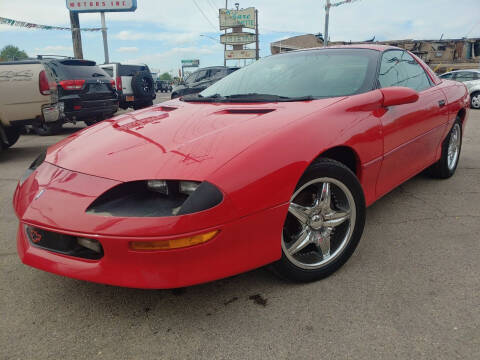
<point x="299" y="75"/>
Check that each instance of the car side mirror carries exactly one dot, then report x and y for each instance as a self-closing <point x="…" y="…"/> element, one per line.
<point x="398" y="95"/>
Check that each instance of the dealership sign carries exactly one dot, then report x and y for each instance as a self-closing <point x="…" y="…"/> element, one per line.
<point x="235" y="18"/>
<point x="101" y="6"/>
<point x="240" y="38"/>
<point x="191" y="63"/>
<point x="240" y="54"/>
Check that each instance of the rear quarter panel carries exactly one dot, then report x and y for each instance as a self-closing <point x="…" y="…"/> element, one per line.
<point x="20" y="94"/>
<point x="458" y="98"/>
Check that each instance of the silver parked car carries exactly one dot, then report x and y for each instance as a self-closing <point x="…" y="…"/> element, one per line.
<point x="471" y="79"/>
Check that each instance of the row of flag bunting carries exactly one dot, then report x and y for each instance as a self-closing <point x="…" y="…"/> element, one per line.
<point x="28" y="25"/>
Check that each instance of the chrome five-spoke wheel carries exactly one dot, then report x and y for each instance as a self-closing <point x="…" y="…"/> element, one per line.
<point x="324" y="222"/>
<point x="454" y="146"/>
<point x="322" y="219"/>
<point x="451" y="147"/>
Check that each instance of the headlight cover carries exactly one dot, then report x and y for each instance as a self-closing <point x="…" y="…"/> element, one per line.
<point x="33" y="166"/>
<point x="156" y="198"/>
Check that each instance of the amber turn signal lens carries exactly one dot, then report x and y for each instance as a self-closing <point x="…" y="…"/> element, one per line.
<point x="174" y="243"/>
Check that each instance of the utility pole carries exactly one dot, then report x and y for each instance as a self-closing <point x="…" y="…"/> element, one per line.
<point x="257" y="51"/>
<point x="104" y="34"/>
<point x="76" y="36"/>
<point x="327" y="18"/>
<point x="328" y="5"/>
<point x="225" y="46"/>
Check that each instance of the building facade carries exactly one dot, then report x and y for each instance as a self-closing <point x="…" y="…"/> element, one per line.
<point x="440" y="55"/>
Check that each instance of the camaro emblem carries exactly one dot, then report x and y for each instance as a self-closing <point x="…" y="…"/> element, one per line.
<point x="40" y="193"/>
<point x="35" y="236"/>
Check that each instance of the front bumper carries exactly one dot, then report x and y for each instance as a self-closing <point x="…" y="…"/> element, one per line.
<point x="242" y="244"/>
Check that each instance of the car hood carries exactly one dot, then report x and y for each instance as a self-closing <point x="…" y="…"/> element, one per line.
<point x="176" y="139"/>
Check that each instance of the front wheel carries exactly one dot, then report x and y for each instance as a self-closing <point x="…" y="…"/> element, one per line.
<point x="324" y="224"/>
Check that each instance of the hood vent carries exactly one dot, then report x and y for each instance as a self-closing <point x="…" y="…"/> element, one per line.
<point x="245" y="111"/>
<point x="165" y="108"/>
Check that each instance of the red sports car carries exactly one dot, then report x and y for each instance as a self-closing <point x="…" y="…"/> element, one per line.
<point x="273" y="164"/>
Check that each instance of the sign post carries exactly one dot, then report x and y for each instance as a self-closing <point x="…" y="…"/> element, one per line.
<point x="76" y="7"/>
<point x="104" y="35"/>
<point x="237" y="20"/>
<point x="189" y="63"/>
<point x="76" y="35"/>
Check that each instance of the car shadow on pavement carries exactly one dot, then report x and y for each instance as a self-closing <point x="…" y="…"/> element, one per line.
<point x="21" y="153"/>
<point x="257" y="288"/>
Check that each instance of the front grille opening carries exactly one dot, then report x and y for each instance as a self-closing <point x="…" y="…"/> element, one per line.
<point x="64" y="244"/>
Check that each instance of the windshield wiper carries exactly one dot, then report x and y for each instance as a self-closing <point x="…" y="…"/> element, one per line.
<point x="249" y="97"/>
<point x="256" y="97"/>
<point x="198" y="97"/>
<point x="97" y="75"/>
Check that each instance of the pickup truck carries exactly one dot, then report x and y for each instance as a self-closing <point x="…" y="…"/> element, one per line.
<point x="27" y="98"/>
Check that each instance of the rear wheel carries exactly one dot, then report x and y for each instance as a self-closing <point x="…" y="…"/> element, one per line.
<point x="142" y="104"/>
<point x="451" y="147"/>
<point x="324" y="224"/>
<point x="47" y="129"/>
<point x="13" y="134"/>
<point x="475" y="100"/>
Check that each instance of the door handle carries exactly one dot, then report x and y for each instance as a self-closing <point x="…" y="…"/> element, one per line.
<point x="441" y="103"/>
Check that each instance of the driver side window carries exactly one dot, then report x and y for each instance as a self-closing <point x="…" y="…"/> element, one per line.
<point x="398" y="68"/>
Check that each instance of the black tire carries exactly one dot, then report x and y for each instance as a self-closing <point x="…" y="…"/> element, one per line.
<point x="47" y="129"/>
<point x="142" y="104"/>
<point x="475" y="100"/>
<point x="12" y="134"/>
<point x="142" y="85"/>
<point x="325" y="170"/>
<point x="444" y="168"/>
<point x="174" y="96"/>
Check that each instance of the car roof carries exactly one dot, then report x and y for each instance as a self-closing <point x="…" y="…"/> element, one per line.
<point x="375" y="47"/>
<point x="456" y="71"/>
<point x="213" y="67"/>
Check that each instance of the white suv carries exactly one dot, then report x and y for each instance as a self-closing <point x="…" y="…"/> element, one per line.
<point x="134" y="84"/>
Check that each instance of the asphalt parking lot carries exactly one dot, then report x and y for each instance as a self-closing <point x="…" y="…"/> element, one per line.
<point x="410" y="291"/>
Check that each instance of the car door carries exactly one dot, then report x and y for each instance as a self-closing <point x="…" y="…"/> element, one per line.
<point x="411" y="132"/>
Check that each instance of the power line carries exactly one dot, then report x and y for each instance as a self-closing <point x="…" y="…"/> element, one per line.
<point x="473" y="27"/>
<point x="205" y="16"/>
<point x="214" y="7"/>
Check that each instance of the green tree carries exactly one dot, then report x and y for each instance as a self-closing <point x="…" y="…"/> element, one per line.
<point x="10" y="52"/>
<point x="166" y="76"/>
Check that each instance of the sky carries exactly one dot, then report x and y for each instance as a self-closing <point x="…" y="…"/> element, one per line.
<point x="161" y="33"/>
